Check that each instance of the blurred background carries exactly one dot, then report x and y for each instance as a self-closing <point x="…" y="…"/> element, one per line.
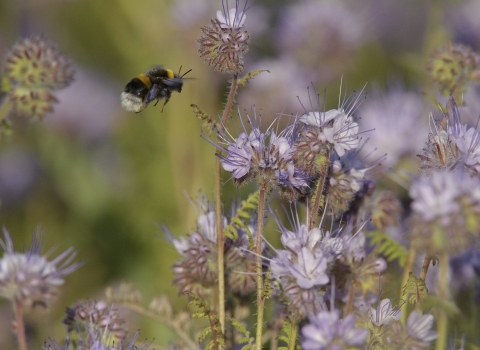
<point x="98" y="178"/>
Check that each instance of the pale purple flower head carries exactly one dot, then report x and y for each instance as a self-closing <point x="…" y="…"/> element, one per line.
<point x="266" y="157"/>
<point x="384" y="313"/>
<point x="437" y="197"/>
<point x="327" y="331"/>
<point x="419" y="327"/>
<point x="28" y="277"/>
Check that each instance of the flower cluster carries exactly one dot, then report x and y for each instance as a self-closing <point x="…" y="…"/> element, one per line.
<point x="28" y="278"/>
<point x="224" y="42"/>
<point x="327" y="331"/>
<point x="197" y="272"/>
<point x="446" y="208"/>
<point x="33" y="69"/>
<point x="266" y="157"/>
<point x="316" y="262"/>
<point x="452" y="67"/>
<point x="82" y="315"/>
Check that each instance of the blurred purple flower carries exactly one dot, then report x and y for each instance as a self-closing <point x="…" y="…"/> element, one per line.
<point x="327" y="331"/>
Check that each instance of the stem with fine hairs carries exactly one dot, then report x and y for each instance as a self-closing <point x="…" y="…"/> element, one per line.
<point x="319" y="193"/>
<point x="19" y="326"/>
<point x="258" y="251"/>
<point x="412" y="253"/>
<point x="218" y="212"/>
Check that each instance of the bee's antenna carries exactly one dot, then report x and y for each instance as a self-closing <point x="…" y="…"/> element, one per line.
<point x="188" y="71"/>
<point x="179" y="70"/>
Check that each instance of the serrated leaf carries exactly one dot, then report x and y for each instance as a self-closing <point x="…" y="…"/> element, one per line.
<point x="243" y="81"/>
<point x="390" y="248"/>
<point x="416" y="288"/>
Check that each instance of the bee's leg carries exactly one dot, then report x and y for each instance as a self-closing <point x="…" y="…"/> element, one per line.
<point x="167" y="98"/>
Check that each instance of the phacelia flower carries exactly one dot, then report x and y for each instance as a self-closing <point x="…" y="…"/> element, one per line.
<point x="225" y="40"/>
<point x="445" y="212"/>
<point x="324" y="132"/>
<point x="327" y="331"/>
<point x="302" y="276"/>
<point x="452" y="67"/>
<point x="347" y="178"/>
<point x="82" y="315"/>
<point x="29" y="278"/>
<point x="33" y="69"/>
<point x="266" y="157"/>
<point x="384" y="313"/>
<point x="417" y="335"/>
<point x="454" y="145"/>
<point x="396" y="116"/>
<point x="197" y="271"/>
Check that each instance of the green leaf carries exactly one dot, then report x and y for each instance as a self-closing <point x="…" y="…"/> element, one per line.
<point x="390" y="248"/>
<point x="243" y="81"/>
<point x="416" y="288"/>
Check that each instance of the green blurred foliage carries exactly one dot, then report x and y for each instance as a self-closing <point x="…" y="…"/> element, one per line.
<point x="105" y="197"/>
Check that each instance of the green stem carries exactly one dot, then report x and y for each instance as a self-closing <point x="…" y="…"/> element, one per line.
<point x="412" y="253"/>
<point x="293" y="335"/>
<point x="319" y="193"/>
<point x="218" y="212"/>
<point x="20" y="327"/>
<point x="258" y="251"/>
<point x="423" y="275"/>
<point x="442" y="321"/>
<point x="4" y="108"/>
<point x="351" y="294"/>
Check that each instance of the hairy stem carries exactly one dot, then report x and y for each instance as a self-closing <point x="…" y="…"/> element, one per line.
<point x="423" y="275"/>
<point x="319" y="193"/>
<point x="412" y="253"/>
<point x="220" y="244"/>
<point x="218" y="212"/>
<point x="20" y="327"/>
<point x="442" y="320"/>
<point x="351" y="294"/>
<point x="293" y="335"/>
<point x="258" y="251"/>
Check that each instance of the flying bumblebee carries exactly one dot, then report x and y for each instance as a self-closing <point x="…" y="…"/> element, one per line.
<point x="155" y="84"/>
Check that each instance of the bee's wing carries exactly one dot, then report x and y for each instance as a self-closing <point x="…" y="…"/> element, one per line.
<point x="156" y="92"/>
<point x="174" y="82"/>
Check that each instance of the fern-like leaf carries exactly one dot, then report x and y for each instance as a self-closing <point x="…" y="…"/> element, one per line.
<point x="416" y="288"/>
<point x="215" y="329"/>
<point x="243" y="81"/>
<point x="246" y="340"/>
<point x="389" y="247"/>
<point x="242" y="215"/>
<point x="209" y="124"/>
<point x="288" y="335"/>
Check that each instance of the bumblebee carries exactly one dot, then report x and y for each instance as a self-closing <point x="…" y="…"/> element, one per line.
<point x="155" y="84"/>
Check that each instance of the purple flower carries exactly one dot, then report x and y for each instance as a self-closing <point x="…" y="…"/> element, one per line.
<point x="327" y="330"/>
<point x="310" y="270"/>
<point x="384" y="313"/>
<point x="419" y="327"/>
<point x="28" y="277"/>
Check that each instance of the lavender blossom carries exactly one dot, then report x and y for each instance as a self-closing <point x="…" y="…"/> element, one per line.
<point x="419" y="327"/>
<point x="445" y="208"/>
<point x="267" y="158"/>
<point x="384" y="313"/>
<point x="29" y="278"/>
<point x="327" y="331"/>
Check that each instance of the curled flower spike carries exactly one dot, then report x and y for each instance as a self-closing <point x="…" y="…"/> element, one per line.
<point x="33" y="69"/>
<point x="452" y="67"/>
<point x="265" y="157"/>
<point x="29" y="278"/>
<point x="324" y="131"/>
<point x="197" y="270"/>
<point x="224" y="42"/>
<point x="84" y="314"/>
